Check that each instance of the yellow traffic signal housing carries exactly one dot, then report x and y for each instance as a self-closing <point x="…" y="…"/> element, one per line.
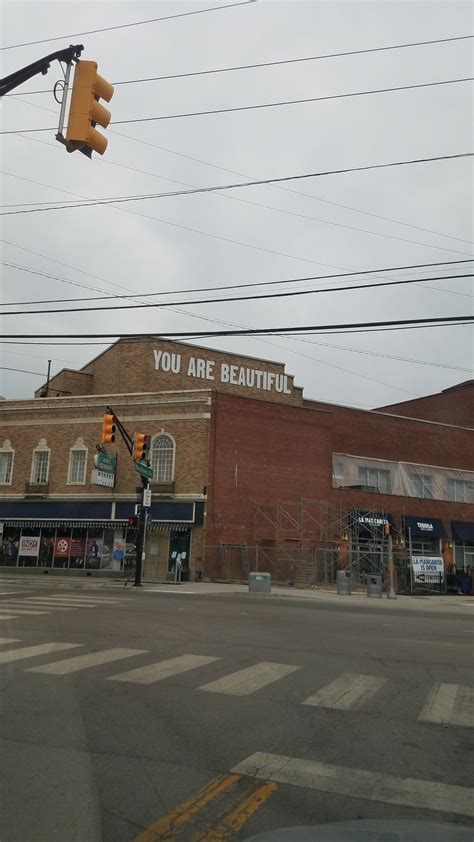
<point x="108" y="429"/>
<point x="86" y="111"/>
<point x="141" y="446"/>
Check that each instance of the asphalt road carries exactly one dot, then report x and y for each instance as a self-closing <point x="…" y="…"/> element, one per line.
<point x="130" y="715"/>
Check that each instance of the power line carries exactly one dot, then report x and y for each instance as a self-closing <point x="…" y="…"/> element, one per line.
<point x="22" y="370"/>
<point x="355" y="327"/>
<point x="272" y="63"/>
<point x="259" y="204"/>
<point x="246" y="298"/>
<point x="453" y="263"/>
<point x="127" y="25"/>
<point x="236" y="199"/>
<point x="279" y="104"/>
<point x="253" y="183"/>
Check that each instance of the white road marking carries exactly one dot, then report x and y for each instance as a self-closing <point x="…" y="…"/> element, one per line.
<point x="72" y="598"/>
<point x="360" y="784"/>
<point x="82" y="662"/>
<point x="32" y="651"/>
<point x="247" y="681"/>
<point x="350" y="690"/>
<point x="7" y="617"/>
<point x="23" y="611"/>
<point x="51" y="600"/>
<point x="9" y="640"/>
<point x="163" y="669"/>
<point x="9" y="593"/>
<point x="449" y="704"/>
<point x="14" y="604"/>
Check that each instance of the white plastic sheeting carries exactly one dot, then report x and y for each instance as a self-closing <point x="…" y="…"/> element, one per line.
<point x="407" y="479"/>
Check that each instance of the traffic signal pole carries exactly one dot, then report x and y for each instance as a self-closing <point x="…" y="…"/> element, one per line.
<point x="142" y="509"/>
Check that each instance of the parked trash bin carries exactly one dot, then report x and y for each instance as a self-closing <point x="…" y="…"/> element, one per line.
<point x="374" y="585"/>
<point x="260" y="583"/>
<point x="344" y="583"/>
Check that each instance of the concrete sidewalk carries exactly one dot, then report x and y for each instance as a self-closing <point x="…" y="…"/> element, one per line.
<point x="461" y="604"/>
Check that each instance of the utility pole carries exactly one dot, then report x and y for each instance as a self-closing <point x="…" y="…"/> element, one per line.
<point x="138" y="447"/>
<point x="391" y="567"/>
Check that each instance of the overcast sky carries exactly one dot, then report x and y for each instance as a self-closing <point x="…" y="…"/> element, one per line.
<point x="213" y="240"/>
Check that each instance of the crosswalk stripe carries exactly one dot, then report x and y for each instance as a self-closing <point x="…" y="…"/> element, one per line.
<point x="7" y="617"/>
<point x="449" y="704"/>
<point x="23" y="611"/>
<point x="358" y="783"/>
<point x="350" y="690"/>
<point x="163" y="669"/>
<point x="82" y="662"/>
<point x="63" y="597"/>
<point x="13" y="605"/>
<point x="61" y="604"/>
<point x="32" y="651"/>
<point x="247" y="681"/>
<point x="4" y="640"/>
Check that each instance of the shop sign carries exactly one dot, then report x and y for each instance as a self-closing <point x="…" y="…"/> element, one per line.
<point x="29" y="546"/>
<point x="234" y="375"/>
<point x="102" y="478"/>
<point x="62" y="547"/>
<point x="427" y="568"/>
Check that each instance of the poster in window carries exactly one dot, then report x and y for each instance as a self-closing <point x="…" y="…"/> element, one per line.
<point x="62" y="547"/>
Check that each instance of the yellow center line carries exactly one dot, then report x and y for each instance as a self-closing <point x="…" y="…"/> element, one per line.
<point x="238" y="816"/>
<point x="165" y="827"/>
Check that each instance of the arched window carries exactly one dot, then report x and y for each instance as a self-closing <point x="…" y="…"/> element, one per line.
<point x="77" y="463"/>
<point x="162" y="458"/>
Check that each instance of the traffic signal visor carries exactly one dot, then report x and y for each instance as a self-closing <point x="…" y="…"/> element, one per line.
<point x="86" y="111"/>
<point x="108" y="429"/>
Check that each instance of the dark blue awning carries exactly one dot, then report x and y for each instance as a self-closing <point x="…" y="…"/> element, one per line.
<point x="425" y="527"/>
<point x="463" y="530"/>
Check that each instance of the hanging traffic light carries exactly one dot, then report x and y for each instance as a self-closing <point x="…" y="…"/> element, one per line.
<point x="108" y="428"/>
<point x="86" y="111"/>
<point x="141" y="447"/>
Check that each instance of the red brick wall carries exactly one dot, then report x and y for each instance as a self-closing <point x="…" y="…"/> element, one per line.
<point x="262" y="452"/>
<point x="453" y="406"/>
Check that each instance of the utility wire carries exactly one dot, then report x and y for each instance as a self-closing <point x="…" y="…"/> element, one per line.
<point x="256" y="182"/>
<point x="271" y="63"/>
<point x="352" y="326"/>
<point x="246" y="298"/>
<point x="265" y="104"/>
<point x="22" y="370"/>
<point x="127" y="25"/>
<point x="256" y="204"/>
<point x="113" y="296"/>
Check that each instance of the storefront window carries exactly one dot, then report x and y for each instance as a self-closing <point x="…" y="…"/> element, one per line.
<point x="78" y="548"/>
<point x="118" y="552"/>
<point x="94" y="548"/>
<point x="107" y="550"/>
<point x="10" y="546"/>
<point x="62" y="547"/>
<point x="46" y="550"/>
<point x="29" y="546"/>
<point x="464" y="556"/>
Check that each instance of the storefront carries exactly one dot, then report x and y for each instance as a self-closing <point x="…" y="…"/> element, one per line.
<point x="71" y="536"/>
<point x="463" y="535"/>
<point x="423" y="535"/>
<point x="368" y="540"/>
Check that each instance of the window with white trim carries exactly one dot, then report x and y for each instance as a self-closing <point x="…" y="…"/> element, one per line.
<point x="40" y="466"/>
<point x="6" y="463"/>
<point x="375" y="478"/>
<point x="460" y="491"/>
<point x="77" y="463"/>
<point x="422" y="485"/>
<point x="162" y="455"/>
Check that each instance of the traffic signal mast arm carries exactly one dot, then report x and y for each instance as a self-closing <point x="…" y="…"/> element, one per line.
<point x="14" y="80"/>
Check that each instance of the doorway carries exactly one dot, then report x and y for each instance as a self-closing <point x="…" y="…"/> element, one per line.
<point x="156" y="559"/>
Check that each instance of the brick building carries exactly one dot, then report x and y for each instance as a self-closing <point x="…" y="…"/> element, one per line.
<point x="241" y="460"/>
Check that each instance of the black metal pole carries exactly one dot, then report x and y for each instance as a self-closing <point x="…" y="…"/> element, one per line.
<point x="140" y="546"/>
<point x="14" y="80"/>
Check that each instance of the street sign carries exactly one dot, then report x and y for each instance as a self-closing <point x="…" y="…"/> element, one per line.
<point x="144" y="470"/>
<point x="103" y="478"/>
<point x="147" y="497"/>
<point x="106" y="462"/>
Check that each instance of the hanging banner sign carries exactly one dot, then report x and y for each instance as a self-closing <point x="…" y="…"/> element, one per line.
<point x="427" y="568"/>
